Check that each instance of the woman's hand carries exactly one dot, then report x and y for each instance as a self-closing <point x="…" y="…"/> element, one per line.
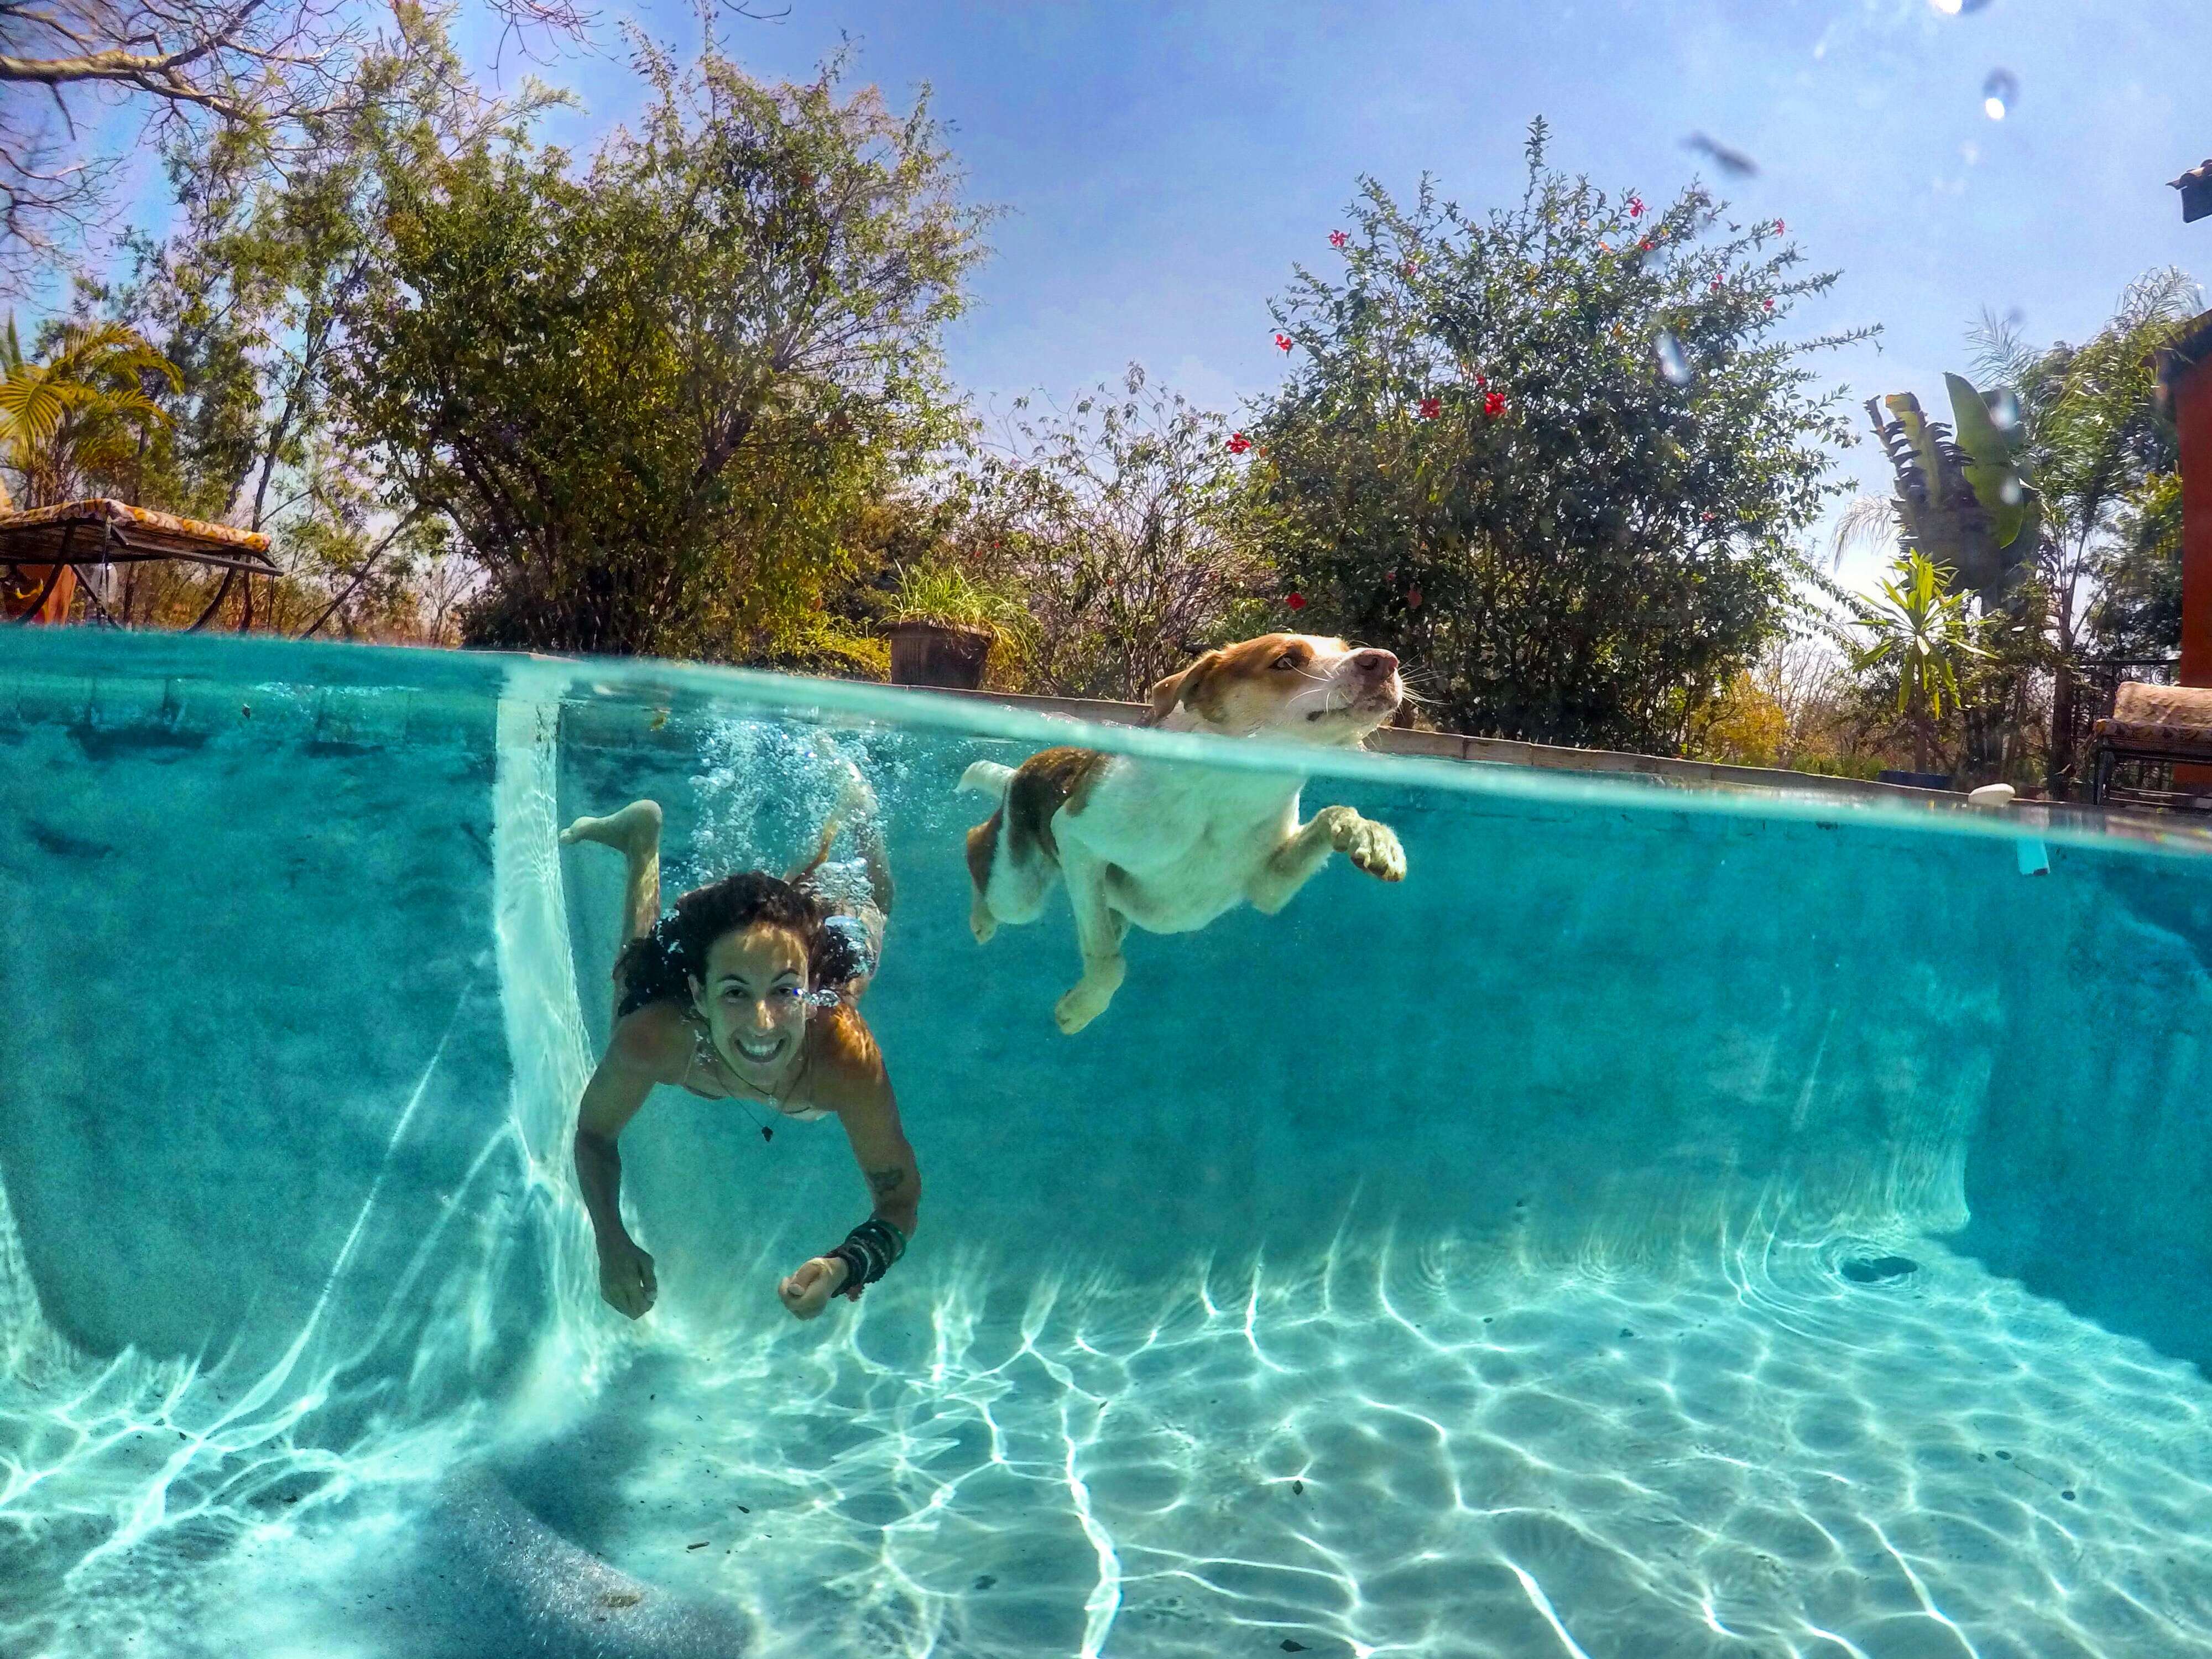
<point x="626" y="1277"/>
<point x="807" y="1291"/>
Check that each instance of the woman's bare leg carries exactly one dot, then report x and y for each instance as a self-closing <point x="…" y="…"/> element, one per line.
<point x="634" y="832"/>
<point x="857" y="813"/>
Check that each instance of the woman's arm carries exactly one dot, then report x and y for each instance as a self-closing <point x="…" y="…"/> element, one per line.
<point x="626" y="1074"/>
<point x="856" y="1086"/>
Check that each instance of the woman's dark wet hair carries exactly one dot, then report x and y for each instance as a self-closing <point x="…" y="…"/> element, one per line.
<point x="659" y="966"/>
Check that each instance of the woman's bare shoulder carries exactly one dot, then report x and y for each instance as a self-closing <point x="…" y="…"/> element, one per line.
<point x="655" y="1040"/>
<point x="852" y="1066"/>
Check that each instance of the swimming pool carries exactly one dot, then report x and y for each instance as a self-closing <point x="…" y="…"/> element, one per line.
<point x="1665" y="1223"/>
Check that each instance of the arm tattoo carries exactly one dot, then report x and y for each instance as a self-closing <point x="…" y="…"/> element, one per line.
<point x="883" y="1182"/>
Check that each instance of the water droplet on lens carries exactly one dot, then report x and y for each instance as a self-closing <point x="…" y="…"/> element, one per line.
<point x="2009" y="492"/>
<point x="2000" y="92"/>
<point x="2004" y="411"/>
<point x="1671" y="362"/>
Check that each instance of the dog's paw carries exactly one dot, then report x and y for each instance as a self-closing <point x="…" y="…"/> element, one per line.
<point x="980" y="921"/>
<point x="1085" y="1002"/>
<point x="1373" y="847"/>
<point x="1075" y="1011"/>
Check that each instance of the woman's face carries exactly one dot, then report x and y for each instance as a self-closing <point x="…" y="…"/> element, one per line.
<point x="754" y="1000"/>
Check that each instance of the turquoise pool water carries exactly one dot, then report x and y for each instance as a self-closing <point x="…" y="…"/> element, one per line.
<point x="1666" y="1224"/>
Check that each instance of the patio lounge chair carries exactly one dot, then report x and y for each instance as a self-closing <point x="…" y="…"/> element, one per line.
<point x="2153" y="722"/>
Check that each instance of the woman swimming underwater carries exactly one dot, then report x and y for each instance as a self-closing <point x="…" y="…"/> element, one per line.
<point x="747" y="991"/>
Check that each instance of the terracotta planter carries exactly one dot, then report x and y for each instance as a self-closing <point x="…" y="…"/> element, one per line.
<point x="933" y="654"/>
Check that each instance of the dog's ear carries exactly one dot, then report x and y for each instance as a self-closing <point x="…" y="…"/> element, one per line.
<point x="1181" y="687"/>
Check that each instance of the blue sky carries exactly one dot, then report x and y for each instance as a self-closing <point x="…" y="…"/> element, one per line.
<point x="1164" y="165"/>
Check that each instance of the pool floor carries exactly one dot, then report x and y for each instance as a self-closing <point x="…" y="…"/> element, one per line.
<point x="1858" y="1448"/>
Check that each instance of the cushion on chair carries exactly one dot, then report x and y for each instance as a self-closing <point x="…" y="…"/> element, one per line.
<point x="2170" y="720"/>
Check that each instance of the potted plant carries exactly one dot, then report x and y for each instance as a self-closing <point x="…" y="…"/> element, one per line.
<point x="948" y="629"/>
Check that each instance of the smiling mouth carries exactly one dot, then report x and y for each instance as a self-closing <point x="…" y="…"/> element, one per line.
<point x="758" y="1051"/>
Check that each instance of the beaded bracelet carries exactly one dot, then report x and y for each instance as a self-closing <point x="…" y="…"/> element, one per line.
<point x="868" y="1252"/>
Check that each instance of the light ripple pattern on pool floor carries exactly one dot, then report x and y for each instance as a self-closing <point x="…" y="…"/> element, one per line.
<point x="1399" y="1452"/>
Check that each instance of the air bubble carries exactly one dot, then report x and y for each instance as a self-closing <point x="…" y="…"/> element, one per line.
<point x="1671" y="362"/>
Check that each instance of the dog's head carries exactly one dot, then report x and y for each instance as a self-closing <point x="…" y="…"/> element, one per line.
<point x="1292" y="687"/>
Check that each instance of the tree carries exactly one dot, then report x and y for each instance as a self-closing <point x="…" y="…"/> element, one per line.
<point x="2093" y="439"/>
<point x="257" y="68"/>
<point x="1557" y="457"/>
<point x="2137" y="610"/>
<point x="652" y="400"/>
<point x="1124" y="523"/>
<point x="1964" y="502"/>
<point x="249" y="295"/>
<point x="78" y="409"/>
<point x="1917" y="629"/>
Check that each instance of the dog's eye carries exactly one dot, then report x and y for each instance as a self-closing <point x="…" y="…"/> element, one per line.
<point x="1286" y="660"/>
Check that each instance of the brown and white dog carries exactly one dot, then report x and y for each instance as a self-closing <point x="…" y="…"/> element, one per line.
<point x="1170" y="846"/>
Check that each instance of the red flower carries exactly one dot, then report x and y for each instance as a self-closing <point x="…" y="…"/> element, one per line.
<point x="1770" y="305"/>
<point x="1412" y="266"/>
<point x="1430" y="407"/>
<point x="1482" y="380"/>
<point x="1297" y="601"/>
<point x="1282" y="342"/>
<point x="1338" y="239"/>
<point x="1413" y="598"/>
<point x="1779" y="226"/>
<point x="1645" y="245"/>
<point x="1716" y="284"/>
<point x="1636" y="207"/>
<point x="1494" y="404"/>
<point x="1238" y="443"/>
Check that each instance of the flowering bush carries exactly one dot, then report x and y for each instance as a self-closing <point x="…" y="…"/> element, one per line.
<point x="1592" y="568"/>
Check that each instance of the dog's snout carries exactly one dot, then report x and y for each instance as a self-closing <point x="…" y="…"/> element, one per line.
<point x="1375" y="664"/>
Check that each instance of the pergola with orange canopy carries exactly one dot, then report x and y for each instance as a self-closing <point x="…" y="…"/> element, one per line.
<point x="42" y="550"/>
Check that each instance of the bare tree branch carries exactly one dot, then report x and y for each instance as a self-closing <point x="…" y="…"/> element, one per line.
<point x="262" y="67"/>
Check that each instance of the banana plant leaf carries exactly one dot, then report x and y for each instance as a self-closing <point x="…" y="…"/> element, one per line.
<point x="1990" y="472"/>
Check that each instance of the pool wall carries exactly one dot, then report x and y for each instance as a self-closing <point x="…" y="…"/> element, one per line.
<point x="1578" y="1029"/>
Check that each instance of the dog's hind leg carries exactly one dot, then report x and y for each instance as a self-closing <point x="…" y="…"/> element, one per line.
<point x="1098" y="930"/>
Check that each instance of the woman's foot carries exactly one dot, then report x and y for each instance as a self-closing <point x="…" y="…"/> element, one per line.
<point x="633" y="832"/>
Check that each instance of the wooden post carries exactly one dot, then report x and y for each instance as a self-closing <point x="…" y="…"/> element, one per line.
<point x="2188" y="377"/>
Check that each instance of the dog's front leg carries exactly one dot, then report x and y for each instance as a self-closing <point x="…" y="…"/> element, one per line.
<point x="1098" y="930"/>
<point x="1369" y="845"/>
